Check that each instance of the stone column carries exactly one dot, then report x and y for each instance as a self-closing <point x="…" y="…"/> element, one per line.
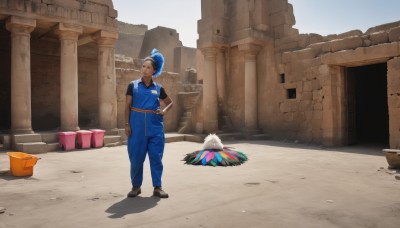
<point x="107" y="84"/>
<point x="68" y="35"/>
<point x="21" y="113"/>
<point x="393" y="85"/>
<point x="210" y="98"/>
<point x="250" y="52"/>
<point x="221" y="77"/>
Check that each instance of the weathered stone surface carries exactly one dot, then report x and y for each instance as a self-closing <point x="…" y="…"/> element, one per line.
<point x="379" y="37"/>
<point x="346" y="43"/>
<point x="362" y="55"/>
<point x="394" y="34"/>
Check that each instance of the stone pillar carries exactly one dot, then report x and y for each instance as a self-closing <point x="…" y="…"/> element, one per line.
<point x="68" y="35"/>
<point x="210" y="98"/>
<point x="21" y="113"/>
<point x="107" y="84"/>
<point x="250" y="52"/>
<point x="221" y="77"/>
<point x="393" y="85"/>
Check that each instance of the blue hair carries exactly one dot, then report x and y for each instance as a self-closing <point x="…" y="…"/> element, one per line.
<point x="159" y="60"/>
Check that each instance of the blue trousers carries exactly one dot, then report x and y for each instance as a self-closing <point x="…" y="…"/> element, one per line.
<point x="138" y="147"/>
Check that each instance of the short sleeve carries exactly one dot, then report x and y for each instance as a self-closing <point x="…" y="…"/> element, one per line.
<point x="163" y="94"/>
<point x="129" y="90"/>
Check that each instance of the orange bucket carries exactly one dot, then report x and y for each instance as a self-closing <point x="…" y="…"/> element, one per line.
<point x="21" y="164"/>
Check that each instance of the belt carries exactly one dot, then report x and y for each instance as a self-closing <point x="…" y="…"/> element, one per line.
<point x="143" y="110"/>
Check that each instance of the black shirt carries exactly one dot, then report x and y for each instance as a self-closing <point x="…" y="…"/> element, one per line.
<point x="162" y="96"/>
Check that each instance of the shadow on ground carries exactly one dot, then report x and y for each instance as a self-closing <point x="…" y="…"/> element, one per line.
<point x="6" y="175"/>
<point x="131" y="206"/>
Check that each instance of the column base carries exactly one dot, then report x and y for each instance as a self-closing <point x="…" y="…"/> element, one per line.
<point x="21" y="131"/>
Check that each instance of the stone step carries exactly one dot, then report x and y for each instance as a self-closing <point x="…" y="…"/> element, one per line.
<point x="112" y="132"/>
<point x="185" y="118"/>
<point x="121" y="132"/>
<point x="230" y="136"/>
<point x="259" y="137"/>
<point x="182" y="130"/>
<point x="187" y="115"/>
<point x="26" y="138"/>
<point x="111" y="139"/>
<point x="192" y="87"/>
<point x="32" y="147"/>
<point x="182" y="124"/>
<point x="174" y="137"/>
<point x="188" y="100"/>
<point x="199" y="138"/>
<point x="49" y="137"/>
<point x="54" y="146"/>
<point x="188" y="93"/>
<point x="113" y="144"/>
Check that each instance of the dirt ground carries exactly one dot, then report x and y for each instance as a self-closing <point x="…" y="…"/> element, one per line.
<point x="282" y="185"/>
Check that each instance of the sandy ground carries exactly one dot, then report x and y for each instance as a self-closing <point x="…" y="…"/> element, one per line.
<point x="282" y="185"/>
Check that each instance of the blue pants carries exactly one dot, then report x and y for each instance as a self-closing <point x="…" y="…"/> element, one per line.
<point x="138" y="146"/>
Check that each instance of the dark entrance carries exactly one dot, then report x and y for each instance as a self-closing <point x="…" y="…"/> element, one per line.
<point x="368" y="117"/>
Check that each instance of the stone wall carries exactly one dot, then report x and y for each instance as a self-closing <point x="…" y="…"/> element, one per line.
<point x="184" y="58"/>
<point x="301" y="79"/>
<point x="130" y="39"/>
<point x="126" y="28"/>
<point x="95" y="13"/>
<point x="45" y="83"/>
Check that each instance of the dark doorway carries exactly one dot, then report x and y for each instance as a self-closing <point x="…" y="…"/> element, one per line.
<point x="368" y="117"/>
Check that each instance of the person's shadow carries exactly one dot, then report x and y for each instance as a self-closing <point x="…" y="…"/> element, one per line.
<point x="131" y="205"/>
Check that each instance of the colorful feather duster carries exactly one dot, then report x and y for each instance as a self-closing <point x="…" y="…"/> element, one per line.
<point x="215" y="154"/>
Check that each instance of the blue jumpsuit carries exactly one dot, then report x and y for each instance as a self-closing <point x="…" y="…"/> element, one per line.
<point x="147" y="133"/>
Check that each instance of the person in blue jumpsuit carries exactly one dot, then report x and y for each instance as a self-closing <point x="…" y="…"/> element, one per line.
<point x="144" y="124"/>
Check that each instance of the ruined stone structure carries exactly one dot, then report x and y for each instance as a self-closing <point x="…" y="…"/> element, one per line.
<point x="264" y="76"/>
<point x="130" y="39"/>
<point x="165" y="40"/>
<point x="57" y="68"/>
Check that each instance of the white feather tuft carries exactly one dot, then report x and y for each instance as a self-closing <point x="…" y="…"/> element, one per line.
<point x="212" y="141"/>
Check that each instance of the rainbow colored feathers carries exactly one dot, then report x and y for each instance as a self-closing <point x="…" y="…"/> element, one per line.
<point x="215" y="154"/>
<point x="215" y="157"/>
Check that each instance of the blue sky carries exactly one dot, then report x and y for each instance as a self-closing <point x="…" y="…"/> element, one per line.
<point x="312" y="16"/>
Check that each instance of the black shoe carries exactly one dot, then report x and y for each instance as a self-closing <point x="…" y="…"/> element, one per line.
<point x="159" y="192"/>
<point x="134" y="192"/>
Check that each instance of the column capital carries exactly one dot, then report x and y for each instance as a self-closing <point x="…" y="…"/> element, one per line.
<point x="209" y="51"/>
<point x="68" y="31"/>
<point x="249" y="48"/>
<point x="20" y="25"/>
<point x="105" y="38"/>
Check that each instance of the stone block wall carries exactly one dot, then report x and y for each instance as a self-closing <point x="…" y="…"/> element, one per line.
<point x="45" y="84"/>
<point x="98" y="13"/>
<point x="184" y="58"/>
<point x="130" y="39"/>
<point x="314" y="65"/>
